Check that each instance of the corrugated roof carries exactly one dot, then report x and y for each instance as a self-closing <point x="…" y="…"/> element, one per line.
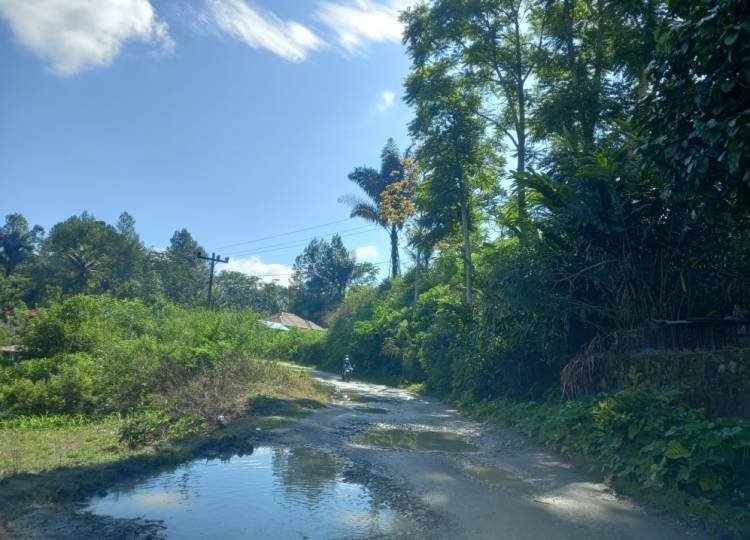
<point x="290" y="320"/>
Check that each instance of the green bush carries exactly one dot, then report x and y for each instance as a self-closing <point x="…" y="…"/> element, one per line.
<point x="645" y="437"/>
<point x="96" y="355"/>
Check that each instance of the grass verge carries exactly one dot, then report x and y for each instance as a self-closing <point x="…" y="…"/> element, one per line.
<point x="63" y="460"/>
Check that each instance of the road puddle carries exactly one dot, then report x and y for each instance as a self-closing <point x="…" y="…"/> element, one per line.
<point x="499" y="477"/>
<point x="417" y="440"/>
<point x="272" y="493"/>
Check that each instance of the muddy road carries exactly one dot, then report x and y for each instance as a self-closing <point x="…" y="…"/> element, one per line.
<point x="379" y="462"/>
<point x="463" y="479"/>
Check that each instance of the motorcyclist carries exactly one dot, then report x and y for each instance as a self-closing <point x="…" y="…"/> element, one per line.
<point x="346" y="367"/>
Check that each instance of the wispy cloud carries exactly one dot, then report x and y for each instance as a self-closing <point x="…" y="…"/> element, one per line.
<point x="264" y="30"/>
<point x="369" y="253"/>
<point x="73" y="35"/>
<point x="386" y="100"/>
<point x="267" y="272"/>
<point x="356" y="22"/>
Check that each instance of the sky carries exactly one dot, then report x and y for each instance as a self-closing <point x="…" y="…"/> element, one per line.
<point x="236" y="119"/>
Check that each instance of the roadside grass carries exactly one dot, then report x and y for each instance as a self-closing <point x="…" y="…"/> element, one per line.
<point x="271" y="394"/>
<point x="32" y="448"/>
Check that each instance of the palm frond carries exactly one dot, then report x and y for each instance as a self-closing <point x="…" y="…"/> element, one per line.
<point x="368" y="212"/>
<point x="369" y="180"/>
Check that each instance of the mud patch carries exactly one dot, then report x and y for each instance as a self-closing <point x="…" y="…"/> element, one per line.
<point x="498" y="477"/>
<point x="41" y="523"/>
<point x="417" y="440"/>
<point x="372" y="410"/>
<point x="356" y="397"/>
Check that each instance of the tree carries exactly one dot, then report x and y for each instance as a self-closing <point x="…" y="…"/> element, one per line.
<point x="126" y="226"/>
<point x="494" y="45"/>
<point x="237" y="290"/>
<point x="451" y="154"/>
<point x="184" y="276"/>
<point x="695" y="120"/>
<point x="591" y="68"/>
<point x="389" y="193"/>
<point x="17" y="241"/>
<point x="321" y="276"/>
<point x="84" y="254"/>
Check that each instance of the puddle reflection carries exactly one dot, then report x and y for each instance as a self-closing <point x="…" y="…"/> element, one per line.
<point x="273" y="493"/>
<point x="417" y="440"/>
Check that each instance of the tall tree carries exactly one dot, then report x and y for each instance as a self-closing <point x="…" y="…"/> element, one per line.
<point x="126" y="226"/>
<point x="321" y="276"/>
<point x="451" y="154"/>
<point x="494" y="45"/>
<point x="184" y="276"/>
<point x="388" y="194"/>
<point x="592" y="66"/>
<point x="17" y="241"/>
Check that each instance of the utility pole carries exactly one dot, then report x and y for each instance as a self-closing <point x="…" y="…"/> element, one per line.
<point x="213" y="259"/>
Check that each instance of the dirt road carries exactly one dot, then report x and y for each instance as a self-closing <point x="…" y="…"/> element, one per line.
<point x="483" y="483"/>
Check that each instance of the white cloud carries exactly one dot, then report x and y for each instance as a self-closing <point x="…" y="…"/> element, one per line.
<point x="253" y="266"/>
<point x="264" y="30"/>
<point x="73" y="35"/>
<point x="369" y="253"/>
<point x="386" y="100"/>
<point x="358" y="21"/>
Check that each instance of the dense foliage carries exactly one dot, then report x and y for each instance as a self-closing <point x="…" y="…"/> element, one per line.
<point x="97" y="355"/>
<point x="626" y="203"/>
<point x="646" y="438"/>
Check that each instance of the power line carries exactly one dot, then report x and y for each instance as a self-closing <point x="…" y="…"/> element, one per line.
<point x="291" y="273"/>
<point x="298" y="243"/>
<point x="297" y="240"/>
<point x="284" y="234"/>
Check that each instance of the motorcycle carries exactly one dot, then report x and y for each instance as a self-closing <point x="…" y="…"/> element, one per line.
<point x="346" y="374"/>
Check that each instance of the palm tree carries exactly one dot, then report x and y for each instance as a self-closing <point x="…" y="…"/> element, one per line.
<point x="17" y="241"/>
<point x="375" y="184"/>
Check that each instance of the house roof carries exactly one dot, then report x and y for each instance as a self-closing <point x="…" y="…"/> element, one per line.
<point x="275" y="326"/>
<point x="294" y="321"/>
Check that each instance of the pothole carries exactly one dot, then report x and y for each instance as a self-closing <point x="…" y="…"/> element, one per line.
<point x="275" y="492"/>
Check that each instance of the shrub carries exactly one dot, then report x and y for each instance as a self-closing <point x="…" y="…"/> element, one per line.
<point x="645" y="437"/>
<point x="96" y="355"/>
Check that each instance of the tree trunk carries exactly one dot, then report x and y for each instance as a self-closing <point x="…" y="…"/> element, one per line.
<point x="649" y="44"/>
<point x="521" y="126"/>
<point x="395" y="263"/>
<point x="593" y="111"/>
<point x="416" y="281"/>
<point x="467" y="250"/>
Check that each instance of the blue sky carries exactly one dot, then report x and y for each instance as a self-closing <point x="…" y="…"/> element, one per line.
<point x="238" y="120"/>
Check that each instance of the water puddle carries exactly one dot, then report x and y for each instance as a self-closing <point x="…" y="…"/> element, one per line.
<point x="498" y="477"/>
<point x="272" y="493"/>
<point x="417" y="440"/>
